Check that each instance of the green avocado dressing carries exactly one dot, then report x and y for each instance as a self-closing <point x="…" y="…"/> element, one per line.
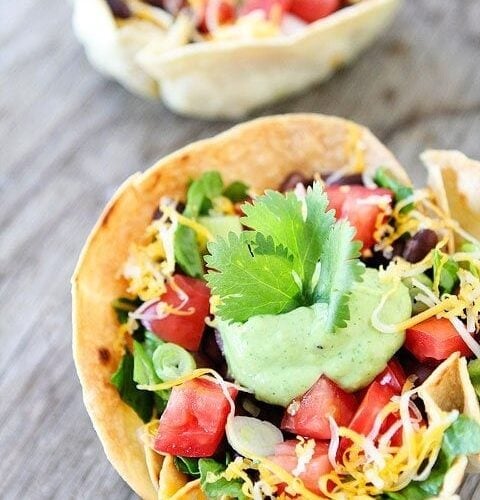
<point x="280" y="357"/>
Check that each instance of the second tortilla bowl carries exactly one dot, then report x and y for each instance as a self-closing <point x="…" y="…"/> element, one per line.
<point x="428" y="386"/>
<point x="152" y="54"/>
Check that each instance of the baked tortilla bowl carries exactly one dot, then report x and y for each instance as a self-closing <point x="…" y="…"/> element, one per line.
<point x="225" y="78"/>
<point x="261" y="153"/>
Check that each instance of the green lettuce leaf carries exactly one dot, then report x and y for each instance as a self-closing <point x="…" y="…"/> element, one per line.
<point x="383" y="178"/>
<point x="210" y="468"/>
<point x="200" y="196"/>
<point x="123" y="305"/>
<point x="141" y="401"/>
<point x="448" y="278"/>
<point x="187" y="253"/>
<point x="201" y="193"/>
<point x="188" y="466"/>
<point x="461" y="438"/>
<point x="474" y="373"/>
<point x="236" y="191"/>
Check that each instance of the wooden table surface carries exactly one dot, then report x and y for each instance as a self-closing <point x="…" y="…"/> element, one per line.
<point x="69" y="137"/>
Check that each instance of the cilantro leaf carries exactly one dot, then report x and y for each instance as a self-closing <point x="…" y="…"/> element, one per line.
<point x="281" y="217"/>
<point x="255" y="276"/>
<point x="339" y="268"/>
<point x="271" y="268"/>
<point x="217" y="487"/>
<point x="122" y="379"/>
<point x="383" y="178"/>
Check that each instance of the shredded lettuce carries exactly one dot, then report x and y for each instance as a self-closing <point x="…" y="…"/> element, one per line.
<point x="141" y="401"/>
<point x="216" y="486"/>
<point x="123" y="305"/>
<point x="188" y="466"/>
<point x="294" y="254"/>
<point x="187" y="253"/>
<point x="200" y="196"/>
<point x="445" y="272"/>
<point x="474" y="373"/>
<point x="236" y="191"/>
<point x="383" y="178"/>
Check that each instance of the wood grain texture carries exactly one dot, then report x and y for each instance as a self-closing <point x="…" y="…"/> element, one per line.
<point x="69" y="137"/>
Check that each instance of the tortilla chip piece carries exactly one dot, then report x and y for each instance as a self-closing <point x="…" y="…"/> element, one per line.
<point x="154" y="462"/>
<point x="261" y="153"/>
<point x="455" y="180"/>
<point x="224" y="78"/>
<point x="171" y="480"/>
<point x="449" y="388"/>
<point x="191" y="491"/>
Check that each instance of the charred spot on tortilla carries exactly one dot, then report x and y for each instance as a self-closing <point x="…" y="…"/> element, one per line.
<point x="104" y="355"/>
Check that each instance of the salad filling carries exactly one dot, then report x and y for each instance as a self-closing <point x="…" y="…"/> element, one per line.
<point x="277" y="342"/>
<point x="206" y="20"/>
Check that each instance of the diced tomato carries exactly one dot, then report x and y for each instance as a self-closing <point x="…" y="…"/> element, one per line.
<point x="225" y="13"/>
<point x="325" y="399"/>
<point x="435" y="339"/>
<point x="319" y="465"/>
<point x="375" y="399"/>
<point x="186" y="330"/>
<point x="352" y="203"/>
<point x="193" y="423"/>
<point x="393" y="375"/>
<point x="312" y="10"/>
<point x="265" y="5"/>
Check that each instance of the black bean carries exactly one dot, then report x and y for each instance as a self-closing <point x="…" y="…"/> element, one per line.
<point x="119" y="9"/>
<point x="417" y="247"/>
<point x="291" y="181"/>
<point x="179" y="207"/>
<point x="346" y="180"/>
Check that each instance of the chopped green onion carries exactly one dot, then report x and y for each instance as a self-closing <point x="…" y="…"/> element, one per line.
<point x="171" y="361"/>
<point x="251" y="436"/>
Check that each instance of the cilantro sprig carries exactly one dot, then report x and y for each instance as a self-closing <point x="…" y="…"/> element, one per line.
<point x="293" y="254"/>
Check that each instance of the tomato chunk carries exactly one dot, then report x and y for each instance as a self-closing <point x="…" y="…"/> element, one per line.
<point x="186" y="330"/>
<point x="312" y="10"/>
<point x="375" y="399"/>
<point x="224" y="13"/>
<point x="393" y="376"/>
<point x="265" y="5"/>
<point x="308" y="416"/>
<point x="319" y="465"/>
<point x="361" y="206"/>
<point x="435" y="339"/>
<point x="193" y="423"/>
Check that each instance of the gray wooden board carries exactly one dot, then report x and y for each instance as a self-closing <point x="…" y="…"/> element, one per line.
<point x="69" y="137"/>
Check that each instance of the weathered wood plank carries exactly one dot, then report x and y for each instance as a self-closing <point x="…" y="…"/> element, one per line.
<point x="69" y="138"/>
